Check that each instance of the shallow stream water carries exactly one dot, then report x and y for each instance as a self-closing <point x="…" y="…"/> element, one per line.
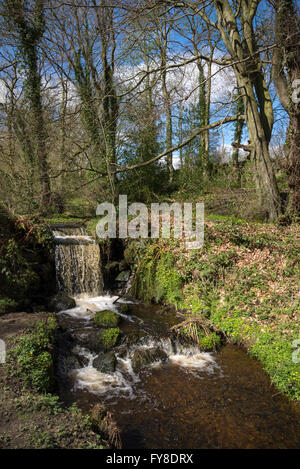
<point x="188" y="399"/>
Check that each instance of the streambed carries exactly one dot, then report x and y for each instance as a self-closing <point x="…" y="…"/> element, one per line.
<point x="179" y="398"/>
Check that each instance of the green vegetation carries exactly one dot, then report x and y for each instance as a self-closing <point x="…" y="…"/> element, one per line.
<point x="109" y="337"/>
<point x="8" y="305"/>
<point x="209" y="342"/>
<point x="244" y="281"/>
<point x="106" y="318"/>
<point x="31" y="417"/>
<point x="61" y="219"/>
<point x="157" y="278"/>
<point x="31" y="358"/>
<point x="25" y="243"/>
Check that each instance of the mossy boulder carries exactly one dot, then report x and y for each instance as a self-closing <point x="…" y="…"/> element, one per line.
<point x="106" y="318"/>
<point x="113" y="268"/>
<point x="97" y="341"/>
<point x="27" y="259"/>
<point x="123" y="276"/>
<point x="109" y="337"/>
<point x="60" y="302"/>
<point x="130" y="254"/>
<point x="105" y="362"/>
<point x="125" y="308"/>
<point x="145" y="356"/>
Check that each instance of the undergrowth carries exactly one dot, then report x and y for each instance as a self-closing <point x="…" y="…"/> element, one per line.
<point x="244" y="280"/>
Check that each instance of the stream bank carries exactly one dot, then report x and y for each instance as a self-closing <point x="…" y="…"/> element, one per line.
<point x="244" y="281"/>
<point x="162" y="391"/>
<point x="167" y="394"/>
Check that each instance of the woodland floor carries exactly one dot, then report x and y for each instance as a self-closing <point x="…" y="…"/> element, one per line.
<point x="30" y="419"/>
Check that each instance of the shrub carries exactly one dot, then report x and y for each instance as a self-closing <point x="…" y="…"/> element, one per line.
<point x="209" y="342"/>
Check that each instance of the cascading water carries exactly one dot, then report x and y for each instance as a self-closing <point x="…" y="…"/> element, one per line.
<point x="163" y="394"/>
<point x="78" y="262"/>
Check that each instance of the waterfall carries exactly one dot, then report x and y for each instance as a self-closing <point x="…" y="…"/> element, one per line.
<point x="77" y="261"/>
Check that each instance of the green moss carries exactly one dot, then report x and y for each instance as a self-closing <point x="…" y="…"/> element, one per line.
<point x="91" y="227"/>
<point x="124" y="308"/>
<point x="106" y="318"/>
<point x="158" y="278"/>
<point x="109" y="337"/>
<point x="61" y="219"/>
<point x="25" y="244"/>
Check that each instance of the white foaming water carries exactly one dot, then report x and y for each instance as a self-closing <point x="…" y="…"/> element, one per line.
<point x="59" y="237"/>
<point x="96" y="382"/>
<point x="199" y="361"/>
<point x="101" y="383"/>
<point x="123" y="380"/>
<point x="187" y="356"/>
<point x="86" y="306"/>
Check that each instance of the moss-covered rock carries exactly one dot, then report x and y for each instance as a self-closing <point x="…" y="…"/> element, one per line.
<point x="27" y="270"/>
<point x="123" y="276"/>
<point x="106" y="318"/>
<point x="125" y="308"/>
<point x="60" y="302"/>
<point x="109" y="337"/>
<point x="146" y="356"/>
<point x="105" y="362"/>
<point x="130" y="254"/>
<point x="97" y="341"/>
<point x="112" y="269"/>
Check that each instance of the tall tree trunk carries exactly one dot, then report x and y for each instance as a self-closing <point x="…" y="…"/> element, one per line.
<point x="238" y="132"/>
<point x="285" y="72"/>
<point x="105" y="22"/>
<point x="30" y="32"/>
<point x="167" y="103"/>
<point x="240" y="43"/>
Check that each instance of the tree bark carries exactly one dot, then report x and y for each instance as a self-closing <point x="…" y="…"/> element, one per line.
<point x="240" y="43"/>
<point x="285" y="69"/>
<point x="30" y="33"/>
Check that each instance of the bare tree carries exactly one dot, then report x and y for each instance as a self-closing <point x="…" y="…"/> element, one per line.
<point x="285" y="72"/>
<point x="27" y="19"/>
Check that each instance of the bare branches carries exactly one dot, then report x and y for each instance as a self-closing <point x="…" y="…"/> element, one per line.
<point x="182" y="144"/>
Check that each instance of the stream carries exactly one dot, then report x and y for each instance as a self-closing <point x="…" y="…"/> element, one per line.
<point x="162" y="393"/>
